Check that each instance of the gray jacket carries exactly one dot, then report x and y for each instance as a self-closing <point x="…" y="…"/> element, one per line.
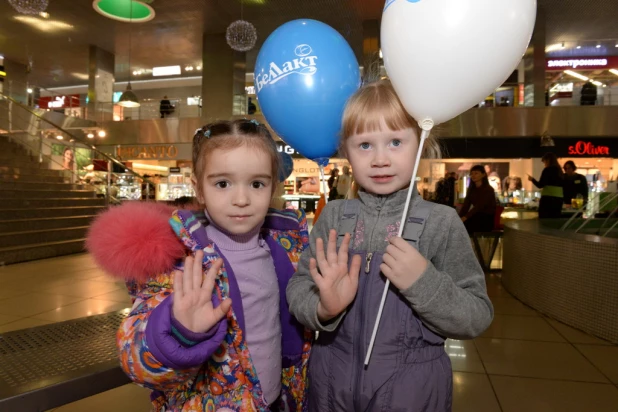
<point x="449" y="300"/>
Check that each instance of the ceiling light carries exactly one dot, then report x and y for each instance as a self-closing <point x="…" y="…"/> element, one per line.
<point x="59" y="137"/>
<point x="102" y="133"/>
<point x="578" y="47"/>
<point x="598" y="46"/>
<point x="575" y="74"/>
<point x="200" y="67"/>
<point x="44" y="25"/>
<point x="166" y="71"/>
<point x="189" y="68"/>
<point x="30" y="90"/>
<point x="44" y="14"/>
<point x="596" y="82"/>
<point x="134" y="72"/>
<point x="90" y="135"/>
<point x="128" y="11"/>
<point x="613" y="71"/>
<point x="128" y="98"/>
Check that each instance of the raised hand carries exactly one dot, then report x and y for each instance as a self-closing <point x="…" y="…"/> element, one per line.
<point x="192" y="305"/>
<point x="336" y="283"/>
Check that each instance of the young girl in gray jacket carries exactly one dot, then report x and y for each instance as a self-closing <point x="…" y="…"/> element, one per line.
<point x="437" y="286"/>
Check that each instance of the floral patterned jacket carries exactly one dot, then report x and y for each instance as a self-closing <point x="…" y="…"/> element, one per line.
<point x="214" y="371"/>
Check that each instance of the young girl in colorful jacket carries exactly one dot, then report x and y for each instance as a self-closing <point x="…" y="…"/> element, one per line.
<point x="213" y="332"/>
<point x="437" y="286"/>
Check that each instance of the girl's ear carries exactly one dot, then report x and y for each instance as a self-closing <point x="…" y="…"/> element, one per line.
<point x="197" y="190"/>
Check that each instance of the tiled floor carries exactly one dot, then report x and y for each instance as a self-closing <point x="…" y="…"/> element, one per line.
<point x="524" y="362"/>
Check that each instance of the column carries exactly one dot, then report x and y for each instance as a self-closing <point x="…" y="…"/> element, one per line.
<point x="371" y="49"/>
<point x="223" y="79"/>
<point x="16" y="81"/>
<point x="100" y="84"/>
<point x="534" y="64"/>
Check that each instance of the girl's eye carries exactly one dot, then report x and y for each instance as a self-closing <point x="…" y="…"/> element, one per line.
<point x="258" y="185"/>
<point x="222" y="185"/>
<point x="365" y="146"/>
<point x="396" y="143"/>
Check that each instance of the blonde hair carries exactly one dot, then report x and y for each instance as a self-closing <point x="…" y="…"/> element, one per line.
<point x="376" y="104"/>
<point x="228" y="135"/>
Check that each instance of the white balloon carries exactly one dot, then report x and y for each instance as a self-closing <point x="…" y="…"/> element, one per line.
<point x="445" y="56"/>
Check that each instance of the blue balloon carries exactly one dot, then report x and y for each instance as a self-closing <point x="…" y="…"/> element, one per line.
<point x="304" y="74"/>
<point x="287" y="166"/>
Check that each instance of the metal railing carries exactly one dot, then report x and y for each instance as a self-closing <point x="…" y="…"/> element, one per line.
<point x="591" y="209"/>
<point x="68" y="149"/>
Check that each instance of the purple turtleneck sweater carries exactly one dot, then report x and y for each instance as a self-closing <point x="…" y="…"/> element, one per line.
<point x="254" y="269"/>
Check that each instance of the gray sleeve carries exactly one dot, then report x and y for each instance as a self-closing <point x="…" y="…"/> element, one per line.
<point x="450" y="297"/>
<point x="302" y="293"/>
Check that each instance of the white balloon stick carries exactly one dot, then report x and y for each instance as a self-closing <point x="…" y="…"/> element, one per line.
<point x="323" y="184"/>
<point x="426" y="125"/>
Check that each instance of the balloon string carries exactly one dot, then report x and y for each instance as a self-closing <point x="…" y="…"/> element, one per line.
<point x="424" y="136"/>
<point x="323" y="184"/>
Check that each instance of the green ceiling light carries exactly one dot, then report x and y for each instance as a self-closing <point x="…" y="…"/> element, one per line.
<point x="121" y="10"/>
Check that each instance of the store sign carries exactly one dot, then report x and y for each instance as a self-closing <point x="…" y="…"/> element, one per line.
<point x="147" y="152"/>
<point x="284" y="148"/>
<point x="582" y="63"/>
<point x="59" y="102"/>
<point x="582" y="148"/>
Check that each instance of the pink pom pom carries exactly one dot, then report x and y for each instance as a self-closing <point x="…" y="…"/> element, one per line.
<point x="135" y="241"/>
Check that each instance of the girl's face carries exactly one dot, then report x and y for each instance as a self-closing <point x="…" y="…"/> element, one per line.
<point x="237" y="188"/>
<point x="476" y="176"/>
<point x="383" y="161"/>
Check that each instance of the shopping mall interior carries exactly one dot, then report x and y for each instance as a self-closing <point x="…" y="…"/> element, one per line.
<point x="99" y="104"/>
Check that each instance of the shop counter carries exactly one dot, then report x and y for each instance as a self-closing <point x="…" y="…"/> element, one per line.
<point x="568" y="276"/>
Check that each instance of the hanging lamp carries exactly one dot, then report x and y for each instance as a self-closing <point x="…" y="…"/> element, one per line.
<point x="128" y="98"/>
<point x="241" y="35"/>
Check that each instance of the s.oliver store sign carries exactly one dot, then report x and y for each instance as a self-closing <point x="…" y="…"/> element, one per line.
<point x="59" y="102"/>
<point x="582" y="63"/>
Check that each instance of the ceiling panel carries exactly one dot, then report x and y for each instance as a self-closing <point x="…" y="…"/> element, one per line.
<point x="60" y="55"/>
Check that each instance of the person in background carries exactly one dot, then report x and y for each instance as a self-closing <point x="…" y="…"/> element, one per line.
<point x="68" y="159"/>
<point x="551" y="183"/>
<point x="479" y="208"/>
<point x="574" y="183"/>
<point x="165" y="107"/>
<point x="332" y="184"/>
<point x="343" y="183"/>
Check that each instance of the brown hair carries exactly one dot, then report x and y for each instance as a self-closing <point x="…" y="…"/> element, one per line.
<point x="371" y="105"/>
<point x="553" y="161"/>
<point x="229" y="135"/>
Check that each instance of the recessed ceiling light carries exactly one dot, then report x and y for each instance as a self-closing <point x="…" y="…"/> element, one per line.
<point x="102" y="133"/>
<point x="90" y="135"/>
<point x="59" y="137"/>
<point x="166" y="71"/>
<point x="598" y="46"/>
<point x="578" y="47"/>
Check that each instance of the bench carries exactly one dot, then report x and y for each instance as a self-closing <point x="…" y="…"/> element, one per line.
<point x="496" y="235"/>
<point x="49" y="366"/>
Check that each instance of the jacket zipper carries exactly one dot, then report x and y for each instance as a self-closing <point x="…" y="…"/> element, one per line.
<point x="360" y="355"/>
<point x="368" y="262"/>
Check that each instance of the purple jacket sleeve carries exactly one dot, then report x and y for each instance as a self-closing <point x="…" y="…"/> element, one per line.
<point x="180" y="348"/>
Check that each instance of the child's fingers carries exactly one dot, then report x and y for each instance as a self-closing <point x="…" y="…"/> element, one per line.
<point x="388" y="260"/>
<point x="355" y="267"/>
<point x="319" y="252"/>
<point x="197" y="271"/>
<point x="331" y="253"/>
<point x="187" y="276"/>
<point x="211" y="275"/>
<point x="313" y="271"/>
<point x="222" y="310"/>
<point x="178" y="275"/>
<point x="342" y="257"/>
<point x="388" y="272"/>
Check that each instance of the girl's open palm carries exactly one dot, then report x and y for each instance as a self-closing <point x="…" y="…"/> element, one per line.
<point x="337" y="284"/>
<point x="193" y="306"/>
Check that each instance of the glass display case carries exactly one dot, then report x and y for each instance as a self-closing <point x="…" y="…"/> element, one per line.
<point x="176" y="185"/>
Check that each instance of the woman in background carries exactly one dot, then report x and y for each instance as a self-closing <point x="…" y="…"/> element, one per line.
<point x="479" y="208"/>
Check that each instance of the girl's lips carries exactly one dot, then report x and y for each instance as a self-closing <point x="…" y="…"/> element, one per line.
<point x="382" y="178"/>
